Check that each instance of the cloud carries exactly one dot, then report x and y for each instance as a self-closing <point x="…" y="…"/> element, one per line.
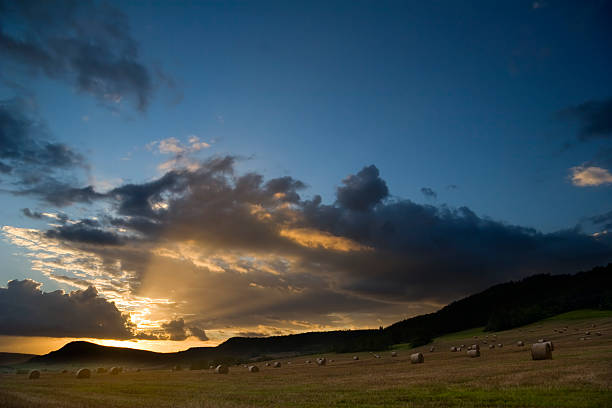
<point x="26" y="311"/>
<point x="178" y="331"/>
<point x="236" y="252"/>
<point x="363" y="190"/>
<point x="34" y="163"/>
<point x="84" y="43"/>
<point x="84" y="233"/>
<point x="594" y="117"/>
<point x="199" y="333"/>
<point x="590" y="176"/>
<point x="182" y="153"/>
<point x="429" y="193"/>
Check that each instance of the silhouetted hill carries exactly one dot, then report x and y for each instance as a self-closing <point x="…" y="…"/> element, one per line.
<point x="500" y="307"/>
<point x="9" y="359"/>
<point x="511" y="304"/>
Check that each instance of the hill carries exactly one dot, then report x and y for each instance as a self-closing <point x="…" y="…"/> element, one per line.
<point x="500" y="307"/>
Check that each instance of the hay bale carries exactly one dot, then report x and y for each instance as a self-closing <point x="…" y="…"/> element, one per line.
<point x="394" y="354"/>
<point x="541" y="351"/>
<point x="520" y="343"/>
<point x="459" y="349"/>
<point x="114" y="371"/>
<point x="491" y="346"/>
<point x="588" y="333"/>
<point x="432" y="349"/>
<point x="34" y="375"/>
<point x="462" y="346"/>
<point x="308" y="361"/>
<point x="138" y="370"/>
<point x="64" y="371"/>
<point x="355" y="358"/>
<point x="475" y="347"/>
<point x="267" y="364"/>
<point x="222" y="369"/>
<point x="500" y="345"/>
<point x="276" y="364"/>
<point x="83" y="373"/>
<point x="253" y="369"/>
<point x="376" y="356"/>
<point x="474" y="353"/>
<point x="453" y="349"/>
<point x="417" y="358"/>
<point x="598" y="334"/>
<point x="552" y="346"/>
<point x="101" y="370"/>
<point x="321" y="361"/>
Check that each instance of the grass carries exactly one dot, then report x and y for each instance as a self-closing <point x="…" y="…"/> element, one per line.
<point x="581" y="314"/>
<point x="580" y="375"/>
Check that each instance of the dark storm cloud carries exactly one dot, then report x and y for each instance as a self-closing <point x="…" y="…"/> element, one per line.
<point x="36" y="164"/>
<point x="594" y="117"/>
<point x="84" y="233"/>
<point x="26" y="311"/>
<point x="199" y="333"/>
<point x="31" y="214"/>
<point x="178" y="331"/>
<point x="84" y="43"/>
<point x="364" y="254"/>
<point x="363" y="190"/>
<point x="175" y="329"/>
<point x="429" y="193"/>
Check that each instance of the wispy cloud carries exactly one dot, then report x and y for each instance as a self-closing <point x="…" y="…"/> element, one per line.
<point x="590" y="176"/>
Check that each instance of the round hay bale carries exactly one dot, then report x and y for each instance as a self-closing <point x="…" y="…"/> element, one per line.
<point x="276" y="364"/>
<point x="432" y="349"/>
<point x="308" y="361"/>
<point x="114" y="371"/>
<point x="541" y="351"/>
<point x="321" y="361"/>
<point x="598" y="334"/>
<point x="394" y="354"/>
<point x="541" y="340"/>
<point x="34" y="375"/>
<point x="221" y="369"/>
<point x="552" y="346"/>
<point x="475" y="347"/>
<point x="376" y="356"/>
<point x="459" y="349"/>
<point x="417" y="358"/>
<point x="331" y="360"/>
<point x="588" y="333"/>
<point x="462" y="346"/>
<point x="500" y="345"/>
<point x="101" y="370"/>
<point x="64" y="371"/>
<point x="267" y="364"/>
<point x="520" y="343"/>
<point x="474" y="353"/>
<point x="138" y="370"/>
<point x="355" y="358"/>
<point x="453" y="349"/>
<point x="83" y="373"/>
<point x="491" y="346"/>
<point x="253" y="369"/>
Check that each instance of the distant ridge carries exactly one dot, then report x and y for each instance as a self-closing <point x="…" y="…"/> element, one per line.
<point x="500" y="307"/>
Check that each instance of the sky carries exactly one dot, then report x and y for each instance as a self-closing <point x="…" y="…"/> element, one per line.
<point x="173" y="174"/>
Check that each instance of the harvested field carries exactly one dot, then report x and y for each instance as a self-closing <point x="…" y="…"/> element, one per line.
<point x="579" y="375"/>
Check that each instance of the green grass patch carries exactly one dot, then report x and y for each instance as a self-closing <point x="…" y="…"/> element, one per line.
<point x="465" y="334"/>
<point x="580" y="314"/>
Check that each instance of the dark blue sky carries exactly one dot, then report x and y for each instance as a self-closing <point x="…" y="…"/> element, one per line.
<point x="483" y="104"/>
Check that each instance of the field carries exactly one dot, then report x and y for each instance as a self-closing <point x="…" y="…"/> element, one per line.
<point x="580" y="375"/>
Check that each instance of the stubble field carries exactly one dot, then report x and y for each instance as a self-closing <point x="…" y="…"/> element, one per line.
<point x="579" y="375"/>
